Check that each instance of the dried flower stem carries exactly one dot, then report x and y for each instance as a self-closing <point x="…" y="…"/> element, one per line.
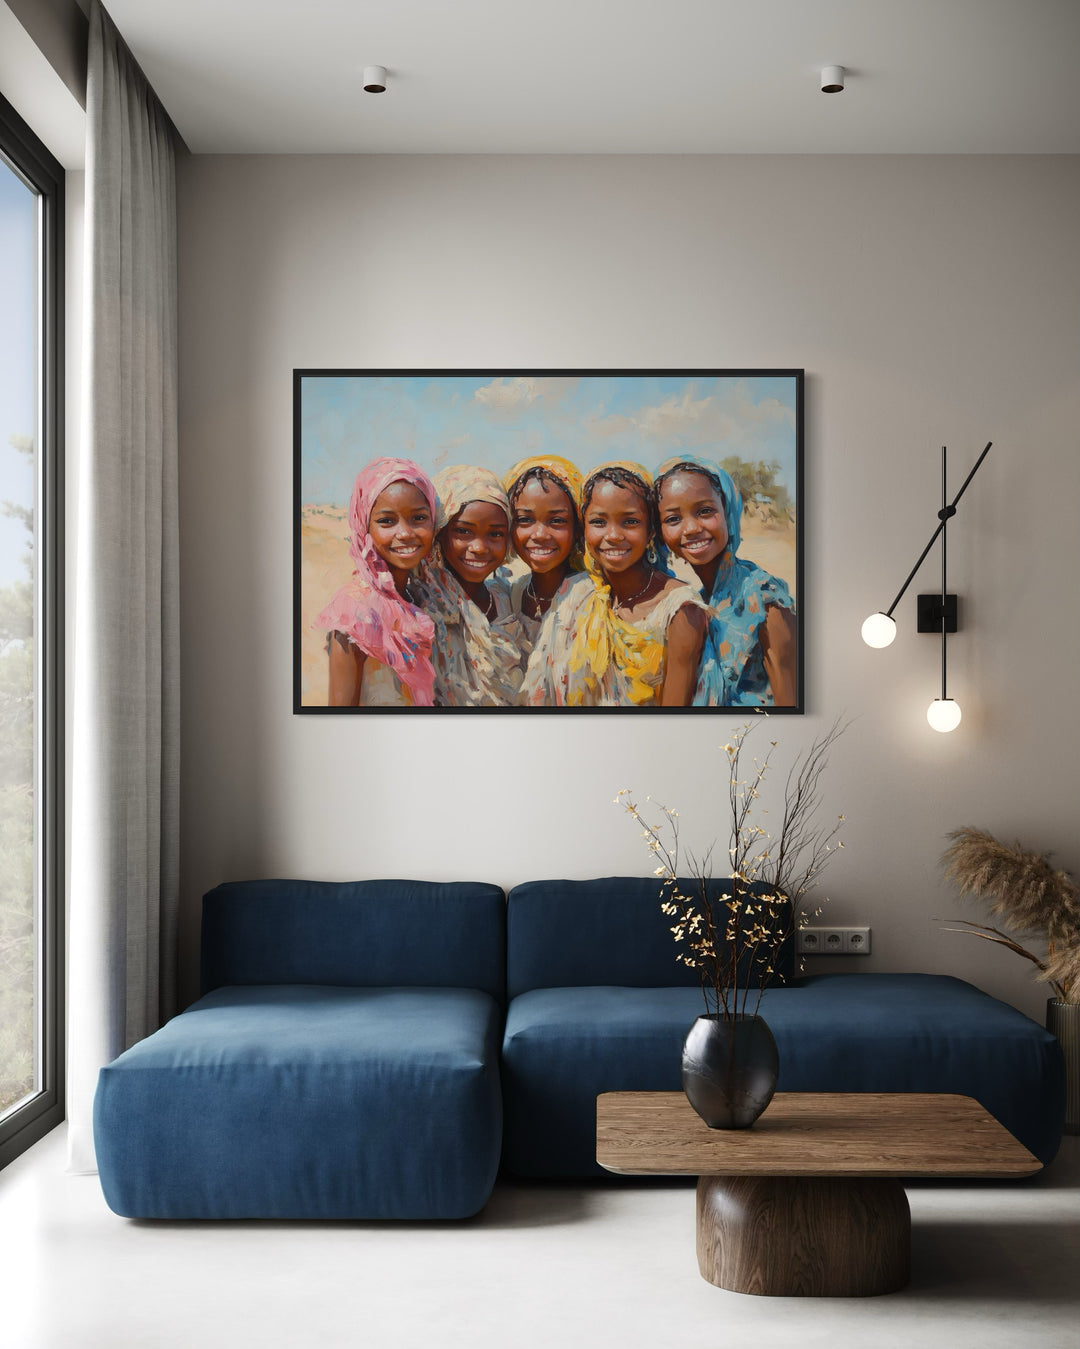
<point x="731" y="930"/>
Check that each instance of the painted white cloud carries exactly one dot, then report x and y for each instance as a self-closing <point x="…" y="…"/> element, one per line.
<point x="518" y="393"/>
<point x="725" y="424"/>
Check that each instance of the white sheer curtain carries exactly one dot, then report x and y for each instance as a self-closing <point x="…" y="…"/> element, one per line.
<point x="125" y="736"/>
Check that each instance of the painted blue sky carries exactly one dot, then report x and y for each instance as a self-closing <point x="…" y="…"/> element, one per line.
<point x="495" y="421"/>
<point x="18" y="253"/>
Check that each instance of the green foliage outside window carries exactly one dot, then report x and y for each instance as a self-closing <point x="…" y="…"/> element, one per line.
<point x="17" y="944"/>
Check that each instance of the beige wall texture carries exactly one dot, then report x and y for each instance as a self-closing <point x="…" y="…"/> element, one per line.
<point x="931" y="301"/>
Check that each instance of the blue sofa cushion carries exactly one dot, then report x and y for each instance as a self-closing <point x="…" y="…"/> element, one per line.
<point x="377" y="934"/>
<point x="842" y="1032"/>
<point x="306" y="1102"/>
<point x="564" y="934"/>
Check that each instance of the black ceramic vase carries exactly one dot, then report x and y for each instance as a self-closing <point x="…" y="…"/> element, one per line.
<point x="729" y="1068"/>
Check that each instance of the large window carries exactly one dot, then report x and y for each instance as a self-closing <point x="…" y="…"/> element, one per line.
<point x="31" y="232"/>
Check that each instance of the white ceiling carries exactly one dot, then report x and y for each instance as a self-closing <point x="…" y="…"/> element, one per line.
<point x="614" y="76"/>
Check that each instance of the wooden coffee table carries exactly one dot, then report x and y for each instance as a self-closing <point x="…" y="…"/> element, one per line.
<point x="808" y="1202"/>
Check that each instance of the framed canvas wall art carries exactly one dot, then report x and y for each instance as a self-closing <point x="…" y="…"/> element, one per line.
<point x="548" y="541"/>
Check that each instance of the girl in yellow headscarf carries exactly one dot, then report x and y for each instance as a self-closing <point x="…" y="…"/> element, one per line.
<point x="627" y="634"/>
<point x="544" y="491"/>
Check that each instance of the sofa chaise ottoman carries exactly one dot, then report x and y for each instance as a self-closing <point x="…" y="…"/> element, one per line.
<point x="341" y="1063"/>
<point x="598" y="1002"/>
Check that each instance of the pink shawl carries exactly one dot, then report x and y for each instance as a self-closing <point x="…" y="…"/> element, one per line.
<point x="368" y="608"/>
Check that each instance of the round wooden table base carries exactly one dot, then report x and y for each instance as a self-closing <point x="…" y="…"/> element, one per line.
<point x="803" y="1236"/>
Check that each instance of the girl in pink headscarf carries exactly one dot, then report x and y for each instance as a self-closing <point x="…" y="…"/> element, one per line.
<point x="380" y="641"/>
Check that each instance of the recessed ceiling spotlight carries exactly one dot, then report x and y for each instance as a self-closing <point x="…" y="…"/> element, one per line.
<point x="374" y="79"/>
<point x="832" y="79"/>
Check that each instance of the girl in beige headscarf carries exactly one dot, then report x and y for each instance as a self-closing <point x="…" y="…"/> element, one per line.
<point x="476" y="653"/>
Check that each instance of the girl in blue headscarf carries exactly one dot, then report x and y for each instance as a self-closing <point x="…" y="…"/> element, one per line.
<point x="749" y="656"/>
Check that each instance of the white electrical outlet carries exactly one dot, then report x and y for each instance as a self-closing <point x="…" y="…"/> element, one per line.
<point x="833" y="941"/>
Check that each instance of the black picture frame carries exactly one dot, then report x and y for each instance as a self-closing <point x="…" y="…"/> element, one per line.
<point x="749" y="421"/>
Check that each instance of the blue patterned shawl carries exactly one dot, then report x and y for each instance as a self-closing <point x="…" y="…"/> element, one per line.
<point x="732" y="669"/>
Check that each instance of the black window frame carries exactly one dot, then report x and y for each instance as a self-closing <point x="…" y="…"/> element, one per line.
<point x="33" y="162"/>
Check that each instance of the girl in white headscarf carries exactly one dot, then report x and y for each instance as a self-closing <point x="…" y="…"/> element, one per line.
<point x="476" y="653"/>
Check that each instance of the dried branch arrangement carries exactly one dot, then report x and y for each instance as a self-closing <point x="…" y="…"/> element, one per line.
<point x="1030" y="898"/>
<point x="733" y="938"/>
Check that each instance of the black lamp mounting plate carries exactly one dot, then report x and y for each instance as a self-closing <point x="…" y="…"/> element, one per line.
<point x="930" y="611"/>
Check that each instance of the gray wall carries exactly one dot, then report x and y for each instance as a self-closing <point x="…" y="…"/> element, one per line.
<point x="43" y="72"/>
<point x="931" y="301"/>
<point x="60" y="30"/>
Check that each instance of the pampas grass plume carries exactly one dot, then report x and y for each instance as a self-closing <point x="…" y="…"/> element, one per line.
<point x="1029" y="897"/>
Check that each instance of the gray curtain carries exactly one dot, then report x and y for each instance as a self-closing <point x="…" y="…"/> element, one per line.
<point x="125" y="735"/>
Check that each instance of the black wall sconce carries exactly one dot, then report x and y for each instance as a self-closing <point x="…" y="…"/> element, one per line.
<point x="936" y="612"/>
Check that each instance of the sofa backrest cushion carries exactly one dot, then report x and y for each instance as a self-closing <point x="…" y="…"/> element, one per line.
<point x="374" y="934"/>
<point x="572" y="934"/>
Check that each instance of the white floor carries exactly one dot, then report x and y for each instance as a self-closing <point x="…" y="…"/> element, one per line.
<point x="563" y="1265"/>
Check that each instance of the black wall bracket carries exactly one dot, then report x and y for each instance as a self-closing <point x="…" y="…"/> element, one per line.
<point x="930" y="610"/>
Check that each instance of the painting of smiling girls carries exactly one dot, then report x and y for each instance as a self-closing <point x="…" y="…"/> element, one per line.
<point x="547" y="540"/>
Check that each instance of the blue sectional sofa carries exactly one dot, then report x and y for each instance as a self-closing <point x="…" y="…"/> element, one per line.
<point x="354" y="1054"/>
<point x="598" y="1003"/>
<point x="343" y="1061"/>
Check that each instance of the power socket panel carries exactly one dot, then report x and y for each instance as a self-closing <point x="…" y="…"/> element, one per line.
<point x="833" y="941"/>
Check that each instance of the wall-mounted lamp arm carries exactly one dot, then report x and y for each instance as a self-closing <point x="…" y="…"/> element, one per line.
<point x="952" y="509"/>
<point x="911" y="574"/>
<point x="945" y="514"/>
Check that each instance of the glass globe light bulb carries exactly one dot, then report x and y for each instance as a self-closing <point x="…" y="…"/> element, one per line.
<point x="878" y="630"/>
<point x="943" y="714"/>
